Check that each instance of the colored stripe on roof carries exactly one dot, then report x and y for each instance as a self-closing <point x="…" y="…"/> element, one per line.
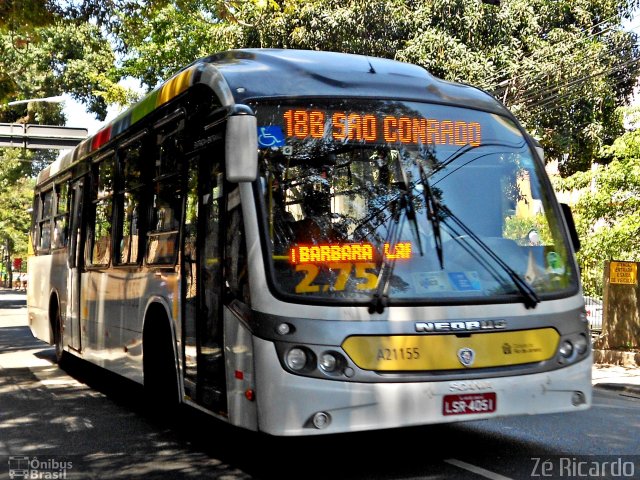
<point x="170" y="89"/>
<point x="100" y="138"/>
<point x="144" y="107"/>
<point x="175" y="86"/>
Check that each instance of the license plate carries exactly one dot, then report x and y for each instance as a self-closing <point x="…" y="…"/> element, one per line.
<point x="469" y="403"/>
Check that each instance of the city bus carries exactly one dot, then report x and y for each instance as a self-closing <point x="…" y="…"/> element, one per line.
<point x="305" y="242"/>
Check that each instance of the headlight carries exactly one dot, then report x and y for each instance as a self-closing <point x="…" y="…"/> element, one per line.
<point x="581" y="344"/>
<point x="296" y="359"/>
<point x="328" y="362"/>
<point x="566" y="349"/>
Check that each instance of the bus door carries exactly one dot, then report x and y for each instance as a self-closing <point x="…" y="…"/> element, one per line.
<point x="202" y="284"/>
<point x="75" y="263"/>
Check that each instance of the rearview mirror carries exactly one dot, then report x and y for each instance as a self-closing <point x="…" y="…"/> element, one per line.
<point x="241" y="148"/>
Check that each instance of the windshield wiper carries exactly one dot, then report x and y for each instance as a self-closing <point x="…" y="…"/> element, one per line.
<point x="380" y="298"/>
<point x="433" y="212"/>
<point x="467" y="148"/>
<point x="407" y="207"/>
<point x="529" y="295"/>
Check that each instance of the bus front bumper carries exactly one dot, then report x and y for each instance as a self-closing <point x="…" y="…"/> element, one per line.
<point x="296" y="405"/>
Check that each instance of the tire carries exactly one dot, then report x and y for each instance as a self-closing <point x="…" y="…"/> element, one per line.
<point x="58" y="342"/>
<point x="159" y="370"/>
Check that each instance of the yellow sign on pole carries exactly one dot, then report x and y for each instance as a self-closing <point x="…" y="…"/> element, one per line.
<point x="623" y="273"/>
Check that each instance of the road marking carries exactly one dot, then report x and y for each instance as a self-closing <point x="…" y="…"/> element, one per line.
<point x="475" y="469"/>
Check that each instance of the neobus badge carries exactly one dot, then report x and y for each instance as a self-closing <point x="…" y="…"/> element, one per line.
<point x="431" y="327"/>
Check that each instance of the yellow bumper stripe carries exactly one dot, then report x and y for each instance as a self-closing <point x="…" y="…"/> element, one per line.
<point x="441" y="352"/>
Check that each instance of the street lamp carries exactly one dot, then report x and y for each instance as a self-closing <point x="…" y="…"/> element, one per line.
<point x="56" y="99"/>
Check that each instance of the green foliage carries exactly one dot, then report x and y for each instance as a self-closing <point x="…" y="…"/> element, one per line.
<point x="44" y="52"/>
<point x="21" y="16"/>
<point x="16" y="196"/>
<point x="563" y="66"/>
<point x="518" y="228"/>
<point x="377" y="27"/>
<point x="67" y="58"/>
<point x="173" y="36"/>
<point x="607" y="213"/>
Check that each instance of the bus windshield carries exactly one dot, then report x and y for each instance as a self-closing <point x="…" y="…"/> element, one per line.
<point x="412" y="201"/>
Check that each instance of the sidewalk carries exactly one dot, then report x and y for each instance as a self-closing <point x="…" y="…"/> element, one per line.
<point x="616" y="370"/>
<point x="617" y="378"/>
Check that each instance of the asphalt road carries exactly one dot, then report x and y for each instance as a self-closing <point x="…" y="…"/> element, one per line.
<point x="86" y="424"/>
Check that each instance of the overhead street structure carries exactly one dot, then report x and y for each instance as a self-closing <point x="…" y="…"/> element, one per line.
<point x="40" y="136"/>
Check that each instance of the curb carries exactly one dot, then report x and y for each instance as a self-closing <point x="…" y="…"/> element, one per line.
<point x="622" y="388"/>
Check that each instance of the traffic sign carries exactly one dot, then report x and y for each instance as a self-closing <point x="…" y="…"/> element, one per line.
<point x="623" y="273"/>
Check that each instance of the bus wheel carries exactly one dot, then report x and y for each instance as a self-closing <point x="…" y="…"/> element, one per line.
<point x="56" y="326"/>
<point x="159" y="370"/>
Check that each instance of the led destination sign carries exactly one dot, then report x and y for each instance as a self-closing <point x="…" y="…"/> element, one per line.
<point x="367" y="127"/>
<point x="347" y="252"/>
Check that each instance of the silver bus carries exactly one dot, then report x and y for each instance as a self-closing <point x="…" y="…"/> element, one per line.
<point x="305" y="242"/>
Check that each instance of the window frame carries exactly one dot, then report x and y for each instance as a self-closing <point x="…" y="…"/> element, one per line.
<point x="60" y="240"/>
<point x="100" y="198"/>
<point x="162" y="235"/>
<point x="123" y="188"/>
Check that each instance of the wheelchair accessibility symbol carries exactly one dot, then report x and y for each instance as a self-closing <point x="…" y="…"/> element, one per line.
<point x="271" y="136"/>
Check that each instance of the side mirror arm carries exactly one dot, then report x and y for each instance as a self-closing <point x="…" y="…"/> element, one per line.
<point x="573" y="233"/>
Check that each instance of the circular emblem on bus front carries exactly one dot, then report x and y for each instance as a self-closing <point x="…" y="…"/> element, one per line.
<point x="466" y="356"/>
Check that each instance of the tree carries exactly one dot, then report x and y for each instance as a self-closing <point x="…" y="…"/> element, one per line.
<point x="72" y="58"/>
<point x="46" y="50"/>
<point x="157" y="42"/>
<point x="18" y="21"/>
<point x="563" y="66"/>
<point x="16" y="197"/>
<point x="607" y="212"/>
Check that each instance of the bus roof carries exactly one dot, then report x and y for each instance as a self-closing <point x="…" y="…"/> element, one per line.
<point x="260" y="73"/>
<point x="237" y="76"/>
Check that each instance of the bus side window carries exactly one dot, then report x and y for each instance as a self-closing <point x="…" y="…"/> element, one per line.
<point x="44" y="223"/>
<point x="61" y="220"/>
<point x="99" y="237"/>
<point x="129" y="202"/>
<point x="166" y="208"/>
<point x="34" y="233"/>
<point x="235" y="251"/>
<point x="191" y="234"/>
